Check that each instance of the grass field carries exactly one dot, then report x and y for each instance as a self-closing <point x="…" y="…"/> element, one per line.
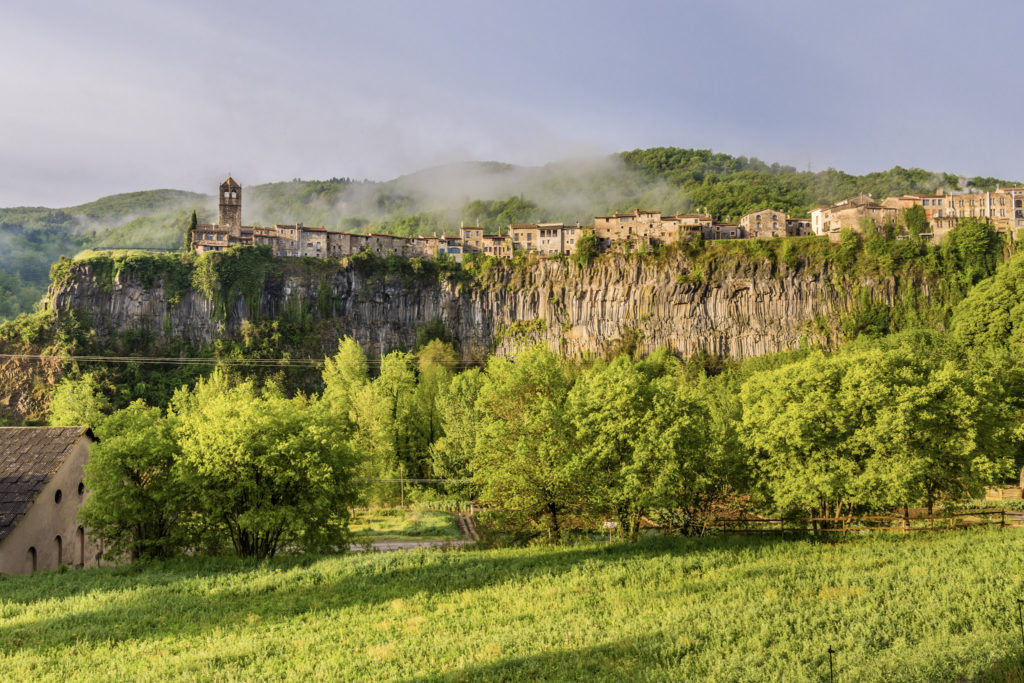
<point x="393" y="524"/>
<point x="918" y="608"/>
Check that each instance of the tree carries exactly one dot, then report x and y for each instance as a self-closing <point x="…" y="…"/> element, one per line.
<point x="878" y="427"/>
<point x="137" y="504"/>
<point x="991" y="316"/>
<point x="344" y="375"/>
<point x="277" y="472"/>
<point x="436" y="363"/>
<point x="523" y="447"/>
<point x="586" y="248"/>
<point x="975" y="247"/>
<point x="452" y="453"/>
<point x="915" y="220"/>
<point x="189" y="232"/>
<point x="79" y="402"/>
<point x="638" y="441"/>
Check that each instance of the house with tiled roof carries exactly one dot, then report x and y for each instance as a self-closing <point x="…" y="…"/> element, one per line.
<point x="41" y="488"/>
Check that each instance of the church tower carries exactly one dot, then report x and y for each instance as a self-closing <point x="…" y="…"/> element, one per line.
<point x="231" y="206"/>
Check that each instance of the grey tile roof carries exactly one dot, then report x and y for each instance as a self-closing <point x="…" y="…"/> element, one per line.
<point x="29" y="456"/>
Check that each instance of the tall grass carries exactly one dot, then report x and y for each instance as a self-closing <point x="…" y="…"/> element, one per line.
<point x="919" y="608"/>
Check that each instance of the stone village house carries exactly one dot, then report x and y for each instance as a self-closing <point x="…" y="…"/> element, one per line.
<point x="41" y="489"/>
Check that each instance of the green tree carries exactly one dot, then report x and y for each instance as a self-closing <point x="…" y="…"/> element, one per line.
<point x="277" y="472"/>
<point x="452" y="453"/>
<point x="137" y="503"/>
<point x="974" y="247"/>
<point x="344" y="376"/>
<point x="915" y="220"/>
<point x="79" y="402"/>
<point x="189" y="232"/>
<point x="873" y="428"/>
<point x="641" y="445"/>
<point x="524" y="447"/>
<point x="991" y="316"/>
<point x="586" y="248"/>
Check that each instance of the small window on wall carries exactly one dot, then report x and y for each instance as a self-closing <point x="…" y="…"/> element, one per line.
<point x="60" y="551"/>
<point x="57" y="496"/>
<point x="32" y="557"/>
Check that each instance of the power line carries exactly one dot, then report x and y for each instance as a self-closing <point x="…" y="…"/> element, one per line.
<point x="198" y="361"/>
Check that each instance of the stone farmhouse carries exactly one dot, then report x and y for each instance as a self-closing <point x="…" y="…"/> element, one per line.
<point x="41" y="489"/>
<point x="619" y="231"/>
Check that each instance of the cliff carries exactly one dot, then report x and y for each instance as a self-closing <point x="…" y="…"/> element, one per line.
<point x="733" y="307"/>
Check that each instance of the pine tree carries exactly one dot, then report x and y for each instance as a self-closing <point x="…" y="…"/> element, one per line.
<point x="188" y="233"/>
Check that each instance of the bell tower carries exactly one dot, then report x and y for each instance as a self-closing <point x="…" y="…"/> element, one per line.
<point x="231" y="206"/>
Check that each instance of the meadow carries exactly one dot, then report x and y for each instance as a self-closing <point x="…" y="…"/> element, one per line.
<point x="919" y="607"/>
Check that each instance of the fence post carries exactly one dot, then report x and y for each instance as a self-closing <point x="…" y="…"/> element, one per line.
<point x="1002" y="519"/>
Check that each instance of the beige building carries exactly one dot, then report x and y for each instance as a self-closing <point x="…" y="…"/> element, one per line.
<point x="524" y="236"/>
<point x="722" y="231"/>
<point x="764" y="223"/>
<point x="849" y="213"/>
<point x="1003" y="208"/>
<point x="41" y="489"/>
<point x="499" y="246"/>
<point x="472" y="239"/>
<point x="637" y="227"/>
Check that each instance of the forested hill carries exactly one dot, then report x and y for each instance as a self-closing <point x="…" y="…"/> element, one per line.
<point x="433" y="200"/>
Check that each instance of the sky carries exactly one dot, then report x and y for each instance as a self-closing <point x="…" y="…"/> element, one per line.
<point x="108" y="96"/>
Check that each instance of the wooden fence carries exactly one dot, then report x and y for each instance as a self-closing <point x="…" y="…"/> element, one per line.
<point x="995" y="517"/>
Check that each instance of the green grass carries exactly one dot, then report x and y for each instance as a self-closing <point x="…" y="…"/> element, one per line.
<point x="903" y="608"/>
<point x="393" y="524"/>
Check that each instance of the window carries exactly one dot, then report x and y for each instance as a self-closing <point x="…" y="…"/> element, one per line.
<point x="60" y="551"/>
<point x="80" y="534"/>
<point x="32" y="557"/>
<point x="57" y="496"/>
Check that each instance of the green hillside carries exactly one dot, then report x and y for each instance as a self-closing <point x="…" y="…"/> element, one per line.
<point x="433" y="200"/>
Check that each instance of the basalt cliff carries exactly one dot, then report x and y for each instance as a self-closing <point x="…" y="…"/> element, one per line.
<point x="734" y="307"/>
<point x="724" y="304"/>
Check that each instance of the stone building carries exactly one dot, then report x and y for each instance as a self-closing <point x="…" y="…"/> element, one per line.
<point x="798" y="227"/>
<point x="764" y="223"/>
<point x="850" y="213"/>
<point x="499" y="246"/>
<point x="472" y="239"/>
<point x="41" y="489"/>
<point x="1004" y="207"/>
<point x="637" y="226"/>
<point x="524" y="236"/>
<point x="722" y="231"/>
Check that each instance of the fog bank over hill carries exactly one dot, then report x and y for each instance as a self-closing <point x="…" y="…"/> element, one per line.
<point x="491" y="194"/>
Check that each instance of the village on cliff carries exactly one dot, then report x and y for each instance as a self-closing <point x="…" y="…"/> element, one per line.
<point x="1003" y="208"/>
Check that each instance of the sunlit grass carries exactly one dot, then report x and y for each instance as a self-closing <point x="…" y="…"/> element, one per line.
<point x="926" y="608"/>
<point x="395" y="524"/>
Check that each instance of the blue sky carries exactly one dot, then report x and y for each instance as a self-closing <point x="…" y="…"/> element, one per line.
<point x="115" y="96"/>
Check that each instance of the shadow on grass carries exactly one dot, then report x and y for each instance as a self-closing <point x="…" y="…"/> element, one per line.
<point x="196" y="595"/>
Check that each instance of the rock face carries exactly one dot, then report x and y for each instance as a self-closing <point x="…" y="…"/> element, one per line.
<point x="734" y="308"/>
